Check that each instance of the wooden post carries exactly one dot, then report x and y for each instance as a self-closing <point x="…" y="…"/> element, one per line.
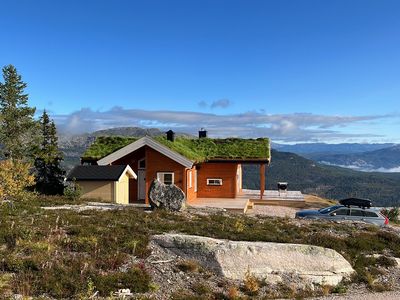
<point x="262" y="180"/>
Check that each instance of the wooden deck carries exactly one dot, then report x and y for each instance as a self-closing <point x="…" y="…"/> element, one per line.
<point x="238" y="204"/>
<point x="249" y="198"/>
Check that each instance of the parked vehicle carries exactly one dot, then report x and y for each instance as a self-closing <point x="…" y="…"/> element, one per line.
<point x="345" y="212"/>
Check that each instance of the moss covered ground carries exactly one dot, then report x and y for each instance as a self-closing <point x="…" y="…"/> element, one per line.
<point x="198" y="150"/>
<point x="66" y="254"/>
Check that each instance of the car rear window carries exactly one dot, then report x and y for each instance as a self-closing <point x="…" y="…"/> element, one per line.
<point x="357" y="213"/>
<point x="370" y="214"/>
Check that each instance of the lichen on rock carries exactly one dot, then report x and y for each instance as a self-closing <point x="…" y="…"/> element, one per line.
<point x="167" y="196"/>
<point x="312" y="264"/>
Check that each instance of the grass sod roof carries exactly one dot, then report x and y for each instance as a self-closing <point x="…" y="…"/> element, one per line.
<point x="198" y="150"/>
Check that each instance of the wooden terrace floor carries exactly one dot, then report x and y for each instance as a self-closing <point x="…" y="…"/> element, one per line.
<point x="249" y="198"/>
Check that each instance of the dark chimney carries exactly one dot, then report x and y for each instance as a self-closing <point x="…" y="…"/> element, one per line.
<point x="202" y="133"/>
<point x="170" y="135"/>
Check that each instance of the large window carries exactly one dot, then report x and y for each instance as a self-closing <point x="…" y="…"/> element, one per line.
<point x="214" y="181"/>
<point x="166" y="177"/>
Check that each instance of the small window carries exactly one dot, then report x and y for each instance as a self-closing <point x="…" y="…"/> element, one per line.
<point x="166" y="177"/>
<point x="214" y="181"/>
<point x="142" y="164"/>
<point x="370" y="214"/>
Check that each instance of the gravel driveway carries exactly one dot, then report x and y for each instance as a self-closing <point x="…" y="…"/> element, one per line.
<point x="364" y="296"/>
<point x="273" y="211"/>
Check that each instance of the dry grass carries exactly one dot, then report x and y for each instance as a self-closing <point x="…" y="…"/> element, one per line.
<point x="251" y="284"/>
<point x="62" y="253"/>
<point x="312" y="201"/>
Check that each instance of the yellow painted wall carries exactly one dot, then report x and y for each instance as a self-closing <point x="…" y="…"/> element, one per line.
<point x="97" y="189"/>
<point x="122" y="190"/>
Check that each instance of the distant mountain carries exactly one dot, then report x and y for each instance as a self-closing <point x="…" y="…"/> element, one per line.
<point x="382" y="160"/>
<point x="326" y="181"/>
<point x="322" y="148"/>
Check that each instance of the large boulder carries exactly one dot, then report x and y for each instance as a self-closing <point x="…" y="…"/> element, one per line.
<point x="269" y="261"/>
<point x="166" y="196"/>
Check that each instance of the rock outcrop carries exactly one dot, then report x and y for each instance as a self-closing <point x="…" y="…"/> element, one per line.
<point x="269" y="261"/>
<point x="166" y="196"/>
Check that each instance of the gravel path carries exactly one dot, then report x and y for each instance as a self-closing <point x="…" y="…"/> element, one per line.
<point x="273" y="211"/>
<point x="364" y="296"/>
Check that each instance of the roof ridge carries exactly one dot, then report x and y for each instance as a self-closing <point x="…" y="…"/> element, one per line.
<point x="145" y="141"/>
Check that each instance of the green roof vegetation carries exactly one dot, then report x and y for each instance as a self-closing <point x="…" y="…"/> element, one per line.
<point x="105" y="145"/>
<point x="198" y="150"/>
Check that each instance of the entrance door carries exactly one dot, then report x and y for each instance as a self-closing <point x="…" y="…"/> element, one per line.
<point x="141" y="179"/>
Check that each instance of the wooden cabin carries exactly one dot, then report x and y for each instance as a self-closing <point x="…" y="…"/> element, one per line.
<point x="201" y="167"/>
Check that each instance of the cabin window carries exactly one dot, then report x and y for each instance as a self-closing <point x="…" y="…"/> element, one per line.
<point x="214" y="181"/>
<point x="166" y="177"/>
<point x="190" y="180"/>
<point x="142" y="164"/>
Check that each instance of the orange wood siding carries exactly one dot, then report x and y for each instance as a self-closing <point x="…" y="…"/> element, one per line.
<point x="132" y="160"/>
<point x="133" y="190"/>
<point x="226" y="171"/>
<point x="190" y="191"/>
<point x="157" y="162"/>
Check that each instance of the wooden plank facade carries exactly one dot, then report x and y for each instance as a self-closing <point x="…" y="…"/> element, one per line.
<point x="193" y="181"/>
<point x="150" y="161"/>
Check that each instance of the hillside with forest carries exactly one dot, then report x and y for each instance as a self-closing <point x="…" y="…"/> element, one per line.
<point x="325" y="181"/>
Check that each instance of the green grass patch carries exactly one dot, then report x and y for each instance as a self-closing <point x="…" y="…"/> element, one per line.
<point x="60" y="253"/>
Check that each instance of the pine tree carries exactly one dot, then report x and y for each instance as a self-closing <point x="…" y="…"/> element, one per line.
<point x="16" y="117"/>
<point x="48" y="158"/>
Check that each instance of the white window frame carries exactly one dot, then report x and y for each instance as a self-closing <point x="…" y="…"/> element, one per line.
<point x="214" y="181"/>
<point x="189" y="183"/>
<point x="160" y="176"/>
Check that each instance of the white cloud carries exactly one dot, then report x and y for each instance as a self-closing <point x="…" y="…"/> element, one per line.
<point x="389" y="170"/>
<point x="367" y="168"/>
<point x="279" y="127"/>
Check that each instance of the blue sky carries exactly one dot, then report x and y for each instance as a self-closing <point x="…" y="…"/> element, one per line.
<point x="292" y="70"/>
